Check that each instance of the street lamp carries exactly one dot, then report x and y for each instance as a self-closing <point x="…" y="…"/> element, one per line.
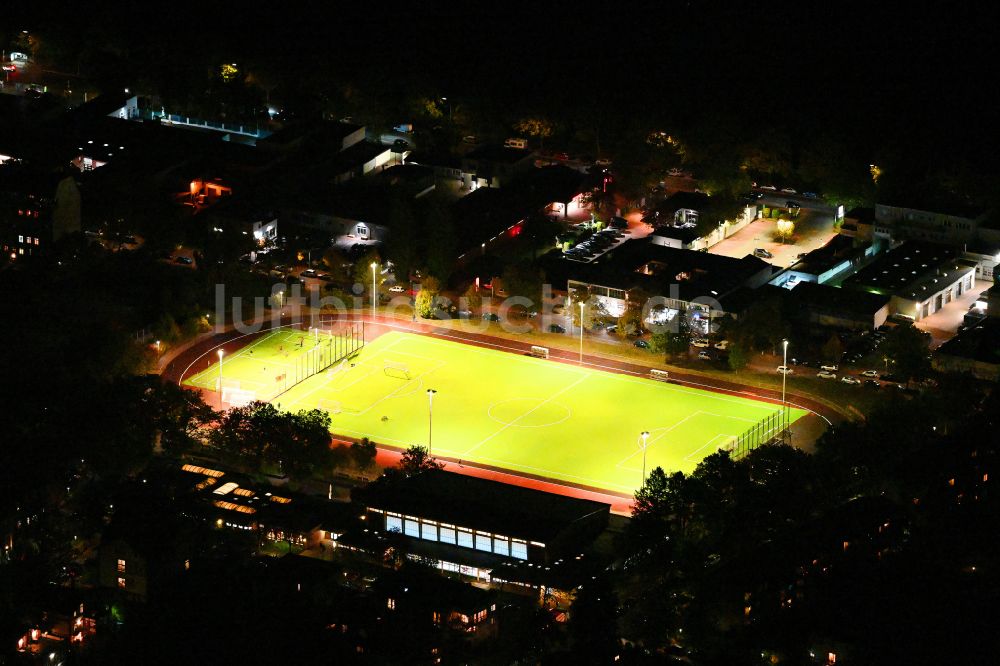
<point x="784" y="375"/>
<point x="644" y="436"/>
<point x="582" y="304"/>
<point x="374" y="288"/>
<point x="430" y="419"/>
<point x="221" y="353"/>
<point x="157" y="346"/>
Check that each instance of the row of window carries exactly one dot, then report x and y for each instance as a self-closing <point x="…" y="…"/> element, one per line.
<point x="29" y="241"/>
<point x="431" y="530"/>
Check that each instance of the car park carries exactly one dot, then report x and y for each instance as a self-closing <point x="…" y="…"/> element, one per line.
<point x="826" y="374"/>
<point x="784" y="370"/>
<point x="847" y="379"/>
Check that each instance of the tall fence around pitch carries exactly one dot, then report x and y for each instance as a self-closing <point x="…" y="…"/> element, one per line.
<point x="768" y="429"/>
<point x="322" y="350"/>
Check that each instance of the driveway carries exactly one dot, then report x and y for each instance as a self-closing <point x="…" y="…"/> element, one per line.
<point x="943" y="324"/>
<point x="813" y="229"/>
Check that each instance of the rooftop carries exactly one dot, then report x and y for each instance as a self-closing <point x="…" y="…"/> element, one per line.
<point x="481" y="504"/>
<point x="499" y="153"/>
<point x="639" y="263"/>
<point x="979" y="343"/>
<point x="838" y="250"/>
<point x="912" y="270"/>
<point x="825" y="297"/>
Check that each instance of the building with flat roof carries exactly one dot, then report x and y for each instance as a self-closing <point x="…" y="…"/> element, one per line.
<point x="976" y="350"/>
<point x="920" y="278"/>
<point x="931" y="221"/>
<point x="839" y="258"/>
<point x="685" y="280"/>
<point x="493" y="165"/>
<point x="841" y="308"/>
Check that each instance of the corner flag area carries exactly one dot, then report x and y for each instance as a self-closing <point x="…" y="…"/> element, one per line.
<point x="519" y="413"/>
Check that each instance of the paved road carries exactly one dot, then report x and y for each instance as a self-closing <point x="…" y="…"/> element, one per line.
<point x="813" y="229"/>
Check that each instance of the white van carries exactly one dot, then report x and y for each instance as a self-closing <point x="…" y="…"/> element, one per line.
<point x="520" y="144"/>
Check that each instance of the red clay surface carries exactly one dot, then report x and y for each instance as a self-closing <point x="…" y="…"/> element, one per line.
<point x="202" y="353"/>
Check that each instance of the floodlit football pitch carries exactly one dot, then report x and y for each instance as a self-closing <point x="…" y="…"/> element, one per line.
<point x="509" y="411"/>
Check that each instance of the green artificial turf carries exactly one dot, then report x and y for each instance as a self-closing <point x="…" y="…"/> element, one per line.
<point x="512" y="411"/>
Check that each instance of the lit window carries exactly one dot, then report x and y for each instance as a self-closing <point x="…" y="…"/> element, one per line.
<point x="501" y="546"/>
<point x="121" y="566"/>
<point x="121" y="583"/>
<point x="447" y="534"/>
<point x="483" y="542"/>
<point x="411" y="527"/>
<point x="465" y="538"/>
<point x="390" y="603"/>
<point x="428" y="531"/>
<point x="20" y="239"/>
<point x="393" y="524"/>
<point x="519" y="549"/>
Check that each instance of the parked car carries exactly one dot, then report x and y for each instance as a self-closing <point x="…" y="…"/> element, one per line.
<point x="721" y="345"/>
<point x="602" y="162"/>
<point x="784" y="370"/>
<point x="618" y="223"/>
<point x="397" y="289"/>
<point x="704" y="356"/>
<point x="761" y="253"/>
<point x="810" y="195"/>
<point x="489" y="316"/>
<point x="770" y="188"/>
<point x="870" y="373"/>
<point x="847" y="379"/>
<point x="471" y="139"/>
<point x="700" y="343"/>
<point x="186" y="261"/>
<point x="309" y="273"/>
<point x="641" y="344"/>
<point x="788" y="190"/>
<point x="872" y="383"/>
<point x="826" y="374"/>
<point x="399" y="145"/>
<point x="828" y="367"/>
<point x="791" y="204"/>
<point x="556" y="328"/>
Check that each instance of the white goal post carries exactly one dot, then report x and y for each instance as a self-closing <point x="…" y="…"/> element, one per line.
<point x="659" y="375"/>
<point x="539" y="352"/>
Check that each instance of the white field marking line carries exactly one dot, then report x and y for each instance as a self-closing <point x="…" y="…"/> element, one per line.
<point x="690" y="456"/>
<point x="735" y="418"/>
<point x="665" y="430"/>
<point x="513" y="467"/>
<point x="242" y="352"/>
<point x="611" y="369"/>
<point x="506" y="467"/>
<point x="701" y="393"/>
<point x="368" y="364"/>
<point x="530" y="411"/>
<point x="404" y="330"/>
<point x="489" y="412"/>
<point x="392" y="394"/>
